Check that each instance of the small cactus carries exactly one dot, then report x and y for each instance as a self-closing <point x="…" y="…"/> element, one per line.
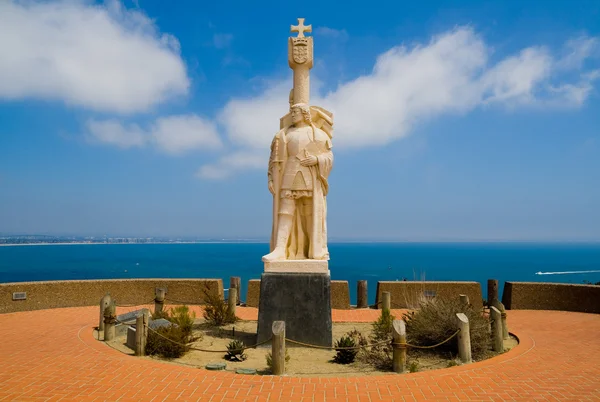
<point x="235" y="351"/>
<point x="345" y="356"/>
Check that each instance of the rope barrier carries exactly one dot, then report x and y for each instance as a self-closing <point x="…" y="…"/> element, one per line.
<point x="110" y="319"/>
<point x="209" y="350"/>
<point x="308" y="345"/>
<point x="401" y="345"/>
<point x="404" y="345"/>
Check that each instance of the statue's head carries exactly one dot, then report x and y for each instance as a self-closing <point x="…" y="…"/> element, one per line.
<point x="301" y="112"/>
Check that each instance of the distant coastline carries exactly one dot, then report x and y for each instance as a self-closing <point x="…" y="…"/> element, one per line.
<point x="415" y="242"/>
<point x="131" y="243"/>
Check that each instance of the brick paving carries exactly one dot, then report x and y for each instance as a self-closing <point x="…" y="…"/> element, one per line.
<point x="51" y="355"/>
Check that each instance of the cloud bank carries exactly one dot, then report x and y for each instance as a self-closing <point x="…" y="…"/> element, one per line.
<point x="103" y="58"/>
<point x="173" y="135"/>
<point x="110" y="59"/>
<point x="453" y="73"/>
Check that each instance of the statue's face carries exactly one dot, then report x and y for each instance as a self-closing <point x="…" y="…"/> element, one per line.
<point x="297" y="115"/>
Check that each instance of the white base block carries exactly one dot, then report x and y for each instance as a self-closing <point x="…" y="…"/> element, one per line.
<point x="298" y="266"/>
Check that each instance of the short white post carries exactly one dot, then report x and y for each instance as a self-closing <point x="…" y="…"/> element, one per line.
<point x="464" y="300"/>
<point x="232" y="299"/>
<point x="399" y="357"/>
<point x="386" y="299"/>
<point x="159" y="299"/>
<point x="361" y="294"/>
<point x="504" y="324"/>
<point x="496" y="316"/>
<point x="141" y="333"/>
<point x="464" y="338"/>
<point x="278" y="347"/>
<point x="104" y="303"/>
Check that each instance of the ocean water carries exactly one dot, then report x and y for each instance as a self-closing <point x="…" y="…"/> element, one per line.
<point x="349" y="261"/>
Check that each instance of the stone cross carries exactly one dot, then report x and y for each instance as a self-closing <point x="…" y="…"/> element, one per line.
<point x="301" y="28"/>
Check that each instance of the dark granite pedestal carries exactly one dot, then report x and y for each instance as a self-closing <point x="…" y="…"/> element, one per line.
<point x="302" y="300"/>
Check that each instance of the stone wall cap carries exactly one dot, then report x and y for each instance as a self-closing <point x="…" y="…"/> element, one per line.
<point x="109" y="280"/>
<point x="553" y="284"/>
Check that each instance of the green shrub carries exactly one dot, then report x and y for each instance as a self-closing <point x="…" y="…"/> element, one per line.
<point x="380" y="356"/>
<point x="358" y="338"/>
<point x="216" y="311"/>
<point x="182" y="317"/>
<point x="235" y="351"/>
<point x="157" y="315"/>
<point x="452" y="363"/>
<point x="175" y="344"/>
<point x="382" y="328"/>
<point x="345" y="356"/>
<point x="413" y="366"/>
<point x="435" y="321"/>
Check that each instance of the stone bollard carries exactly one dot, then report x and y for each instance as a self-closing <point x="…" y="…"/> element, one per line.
<point x="464" y="338"/>
<point x="236" y="282"/>
<point x="492" y="292"/>
<point x="504" y="324"/>
<point x="109" y="321"/>
<point x="361" y="295"/>
<point x="159" y="299"/>
<point x="232" y="299"/>
<point x="496" y="316"/>
<point x="386" y="301"/>
<point x="104" y="303"/>
<point x="278" y="347"/>
<point x="141" y="333"/>
<point x="399" y="357"/>
<point x="464" y="300"/>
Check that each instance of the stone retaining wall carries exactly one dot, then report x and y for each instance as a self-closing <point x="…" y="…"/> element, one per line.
<point x="551" y="296"/>
<point x="407" y="294"/>
<point x="54" y="294"/>
<point x="340" y="294"/>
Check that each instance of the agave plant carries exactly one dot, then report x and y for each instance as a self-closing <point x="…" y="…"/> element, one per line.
<point x="235" y="351"/>
<point x="345" y="356"/>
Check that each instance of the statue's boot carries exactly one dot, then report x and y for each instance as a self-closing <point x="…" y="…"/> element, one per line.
<point x="283" y="234"/>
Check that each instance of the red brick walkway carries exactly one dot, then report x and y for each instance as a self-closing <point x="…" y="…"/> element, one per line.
<point x="52" y="355"/>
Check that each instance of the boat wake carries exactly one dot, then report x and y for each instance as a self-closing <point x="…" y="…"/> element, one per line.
<point x="568" y="272"/>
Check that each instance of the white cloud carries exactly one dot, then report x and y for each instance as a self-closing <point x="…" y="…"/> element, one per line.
<point x="173" y="135"/>
<point x="115" y="133"/>
<point x="252" y="122"/>
<point x="177" y="134"/>
<point x="231" y="164"/>
<point x="339" y="34"/>
<point x="577" y="51"/>
<point x="100" y="57"/>
<point x="450" y="74"/>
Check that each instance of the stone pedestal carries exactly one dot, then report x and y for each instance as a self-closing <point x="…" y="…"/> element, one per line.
<point x="295" y="266"/>
<point x="302" y="300"/>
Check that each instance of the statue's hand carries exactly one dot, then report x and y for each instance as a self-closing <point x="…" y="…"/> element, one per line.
<point x="309" y="161"/>
<point x="271" y="188"/>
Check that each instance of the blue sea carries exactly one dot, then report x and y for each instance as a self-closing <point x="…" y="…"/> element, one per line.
<point x="349" y="261"/>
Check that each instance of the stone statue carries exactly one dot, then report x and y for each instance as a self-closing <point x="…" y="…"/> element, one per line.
<point x="295" y="286"/>
<point x="299" y="166"/>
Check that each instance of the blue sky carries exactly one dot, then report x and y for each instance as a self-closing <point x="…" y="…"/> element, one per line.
<point x="453" y="120"/>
